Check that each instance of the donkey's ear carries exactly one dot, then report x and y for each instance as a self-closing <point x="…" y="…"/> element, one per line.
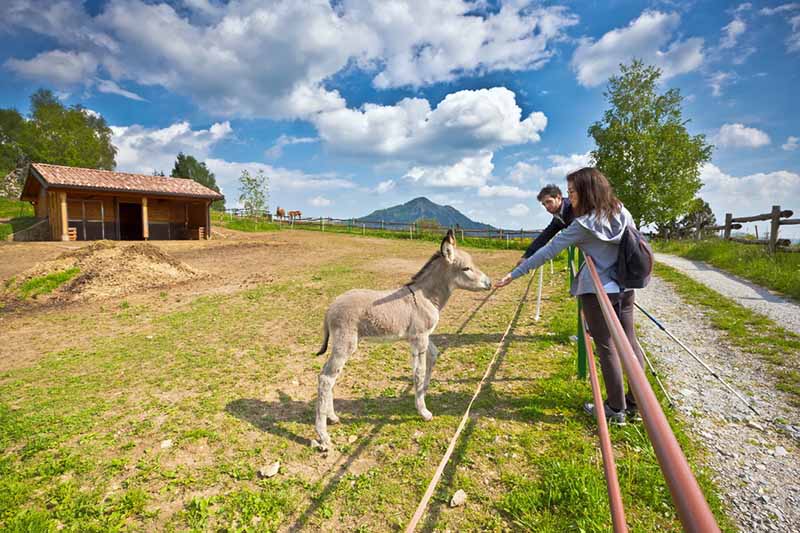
<point x="448" y="246"/>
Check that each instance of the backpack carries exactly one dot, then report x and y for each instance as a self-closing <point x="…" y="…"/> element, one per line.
<point x="634" y="260"/>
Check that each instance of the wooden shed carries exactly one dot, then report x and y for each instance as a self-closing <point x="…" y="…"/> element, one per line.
<point x="88" y="204"/>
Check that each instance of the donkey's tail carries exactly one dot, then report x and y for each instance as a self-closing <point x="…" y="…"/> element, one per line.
<point x="324" y="340"/>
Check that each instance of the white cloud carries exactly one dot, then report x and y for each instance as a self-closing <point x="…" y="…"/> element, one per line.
<point x="464" y="123"/>
<point x="749" y="195"/>
<point x="524" y="172"/>
<point x="320" y="201"/>
<point x="518" y="210"/>
<point x="504" y="191"/>
<point x="108" y="86"/>
<point x="385" y="186"/>
<point x="253" y="59"/>
<point x="422" y="42"/>
<point x="276" y="150"/>
<point x="649" y="37"/>
<point x="739" y="135"/>
<point x="146" y="150"/>
<point x="747" y="6"/>
<point x="793" y="41"/>
<point x="57" y="66"/>
<point x="566" y="164"/>
<point x="731" y="33"/>
<point x="469" y="172"/>
<point x="791" y="143"/>
<point x="718" y="80"/>
<point x="780" y="9"/>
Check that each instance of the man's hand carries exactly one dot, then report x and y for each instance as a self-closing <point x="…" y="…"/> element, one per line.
<point x="503" y="282"/>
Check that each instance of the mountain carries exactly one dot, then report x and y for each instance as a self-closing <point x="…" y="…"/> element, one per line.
<point x="421" y="207"/>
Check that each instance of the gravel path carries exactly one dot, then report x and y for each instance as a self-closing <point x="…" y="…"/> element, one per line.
<point x="755" y="460"/>
<point x="759" y="299"/>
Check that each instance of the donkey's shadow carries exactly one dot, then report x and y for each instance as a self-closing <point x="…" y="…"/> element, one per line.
<point x="276" y="417"/>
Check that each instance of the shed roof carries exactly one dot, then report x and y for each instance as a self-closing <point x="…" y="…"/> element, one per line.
<point x="62" y="177"/>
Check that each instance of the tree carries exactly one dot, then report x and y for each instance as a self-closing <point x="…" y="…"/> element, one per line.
<point x="254" y="191"/>
<point x="71" y="136"/>
<point x="644" y="149"/>
<point x="186" y="166"/>
<point x="699" y="216"/>
<point x="11" y="153"/>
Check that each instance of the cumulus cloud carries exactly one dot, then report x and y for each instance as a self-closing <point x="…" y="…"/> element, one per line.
<point x="145" y="150"/>
<point x="740" y="136"/>
<point x="61" y="67"/>
<point x="320" y="201"/>
<point x="276" y="150"/>
<point x="748" y="195"/>
<point x="463" y="123"/>
<point x="251" y="59"/>
<point x="731" y="33"/>
<point x="518" y="210"/>
<point x="469" y="172"/>
<point x="385" y="186"/>
<point x="504" y="191"/>
<point x="650" y="38"/>
<point x="791" y="143"/>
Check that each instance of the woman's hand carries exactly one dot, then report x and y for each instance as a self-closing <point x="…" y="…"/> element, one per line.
<point x="503" y="282"/>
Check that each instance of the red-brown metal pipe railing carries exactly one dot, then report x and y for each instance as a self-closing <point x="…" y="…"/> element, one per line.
<point x="693" y="510"/>
<point x="612" y="482"/>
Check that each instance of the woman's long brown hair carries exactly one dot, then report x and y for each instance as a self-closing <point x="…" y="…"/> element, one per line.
<point x="594" y="192"/>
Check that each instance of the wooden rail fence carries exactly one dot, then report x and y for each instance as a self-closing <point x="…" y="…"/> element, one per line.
<point x="412" y="228"/>
<point x="777" y="218"/>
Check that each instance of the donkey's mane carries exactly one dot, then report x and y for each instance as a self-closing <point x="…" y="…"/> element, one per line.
<point x="422" y="271"/>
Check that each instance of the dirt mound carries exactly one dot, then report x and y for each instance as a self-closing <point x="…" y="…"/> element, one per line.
<point x="104" y="269"/>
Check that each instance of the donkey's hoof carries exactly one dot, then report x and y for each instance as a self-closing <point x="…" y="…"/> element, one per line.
<point x="322" y="446"/>
<point x="426" y="415"/>
<point x="333" y="418"/>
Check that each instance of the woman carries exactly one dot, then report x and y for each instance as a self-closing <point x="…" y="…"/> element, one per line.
<point x="600" y="220"/>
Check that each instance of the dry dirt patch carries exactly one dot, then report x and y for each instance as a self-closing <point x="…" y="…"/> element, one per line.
<point x="106" y="269"/>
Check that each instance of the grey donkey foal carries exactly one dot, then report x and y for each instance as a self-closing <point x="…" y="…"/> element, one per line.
<point x="410" y="312"/>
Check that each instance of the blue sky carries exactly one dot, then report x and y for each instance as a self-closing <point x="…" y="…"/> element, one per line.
<point x="356" y="105"/>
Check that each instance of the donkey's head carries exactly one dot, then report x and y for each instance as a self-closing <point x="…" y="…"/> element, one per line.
<point x="459" y="269"/>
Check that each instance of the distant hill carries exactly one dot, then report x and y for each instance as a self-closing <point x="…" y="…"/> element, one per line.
<point x="421" y="207"/>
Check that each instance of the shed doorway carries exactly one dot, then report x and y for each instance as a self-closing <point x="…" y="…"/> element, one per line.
<point x="130" y="222"/>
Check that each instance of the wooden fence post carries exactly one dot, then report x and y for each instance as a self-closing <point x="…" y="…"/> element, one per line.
<point x="728" y="222"/>
<point x="773" y="230"/>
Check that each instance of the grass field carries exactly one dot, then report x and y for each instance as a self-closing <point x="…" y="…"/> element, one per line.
<point x="156" y="412"/>
<point x="14" y="216"/>
<point x="779" y="272"/>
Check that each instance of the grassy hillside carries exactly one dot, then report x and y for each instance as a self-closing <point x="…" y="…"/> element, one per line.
<point x="14" y="216"/>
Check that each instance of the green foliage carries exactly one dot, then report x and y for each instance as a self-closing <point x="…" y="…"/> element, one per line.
<point x="46" y="284"/>
<point x="779" y="271"/>
<point x="64" y="136"/>
<point x="186" y="166"/>
<point x="254" y="191"/>
<point x="644" y="149"/>
<point x="12" y="125"/>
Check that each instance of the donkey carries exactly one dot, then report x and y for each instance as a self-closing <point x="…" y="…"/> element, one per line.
<point x="410" y="312"/>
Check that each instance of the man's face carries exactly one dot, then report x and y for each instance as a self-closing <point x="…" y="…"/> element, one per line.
<point x="552" y="204"/>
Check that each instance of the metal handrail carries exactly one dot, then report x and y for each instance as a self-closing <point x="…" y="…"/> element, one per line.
<point x="693" y="510"/>
<point x="610" y="468"/>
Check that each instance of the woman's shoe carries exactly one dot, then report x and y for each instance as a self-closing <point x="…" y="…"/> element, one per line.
<point x="612" y="415"/>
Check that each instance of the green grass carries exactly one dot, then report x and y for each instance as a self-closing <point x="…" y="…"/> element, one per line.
<point x="779" y="272"/>
<point x="10" y="208"/>
<point x="46" y="284"/>
<point x="750" y="331"/>
<point x="80" y="428"/>
<point x="254" y="225"/>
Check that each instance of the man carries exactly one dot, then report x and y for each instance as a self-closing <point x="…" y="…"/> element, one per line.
<point x="561" y="209"/>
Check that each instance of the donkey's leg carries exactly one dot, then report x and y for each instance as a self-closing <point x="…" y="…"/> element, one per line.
<point x="433" y="355"/>
<point x="349" y="346"/>
<point x="419" y="349"/>
<point x="341" y="350"/>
